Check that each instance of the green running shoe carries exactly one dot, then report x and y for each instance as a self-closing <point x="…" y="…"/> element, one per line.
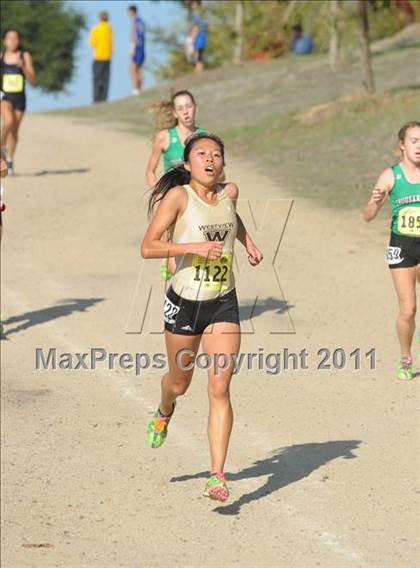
<point x="405" y="369"/>
<point x="216" y="487"/>
<point x="157" y="429"/>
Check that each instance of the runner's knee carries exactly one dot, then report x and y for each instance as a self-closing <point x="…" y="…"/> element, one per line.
<point x="178" y="385"/>
<point x="7" y="122"/>
<point x="407" y="312"/>
<point x="218" y="392"/>
<point x="180" y="388"/>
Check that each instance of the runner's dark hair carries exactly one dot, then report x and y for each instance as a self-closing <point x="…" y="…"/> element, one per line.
<point x="7" y="30"/>
<point x="181" y="176"/>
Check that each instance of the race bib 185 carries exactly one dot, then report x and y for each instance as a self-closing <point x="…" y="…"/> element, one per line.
<point x="211" y="274"/>
<point x="409" y="221"/>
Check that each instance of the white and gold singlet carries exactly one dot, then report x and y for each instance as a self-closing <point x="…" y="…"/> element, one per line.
<point x="197" y="278"/>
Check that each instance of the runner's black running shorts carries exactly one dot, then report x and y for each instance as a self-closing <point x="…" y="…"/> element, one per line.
<point x="187" y="317"/>
<point x="403" y="252"/>
<point x="18" y="100"/>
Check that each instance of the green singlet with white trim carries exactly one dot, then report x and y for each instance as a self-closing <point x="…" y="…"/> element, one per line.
<point x="173" y="156"/>
<point x="405" y="203"/>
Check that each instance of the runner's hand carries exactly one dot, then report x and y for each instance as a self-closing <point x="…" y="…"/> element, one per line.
<point x="378" y="195"/>
<point x="255" y="256"/>
<point x="210" y="250"/>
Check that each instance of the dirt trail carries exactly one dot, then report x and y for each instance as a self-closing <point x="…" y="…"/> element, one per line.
<point x="322" y="463"/>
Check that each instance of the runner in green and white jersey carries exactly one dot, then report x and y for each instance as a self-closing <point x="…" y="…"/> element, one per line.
<point x="401" y="183"/>
<point x="175" y="122"/>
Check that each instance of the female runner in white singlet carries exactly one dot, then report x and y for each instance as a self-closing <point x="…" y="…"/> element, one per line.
<point x="201" y="303"/>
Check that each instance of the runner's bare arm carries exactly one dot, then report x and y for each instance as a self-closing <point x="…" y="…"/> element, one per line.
<point x="194" y="32"/>
<point x="160" y="144"/>
<point x="28" y="68"/>
<point x="233" y="192"/>
<point x="171" y="264"/>
<point x="164" y="216"/>
<point x="255" y="256"/>
<point x="174" y="203"/>
<point x="383" y="186"/>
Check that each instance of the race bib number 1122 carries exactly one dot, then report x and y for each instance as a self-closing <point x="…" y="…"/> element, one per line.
<point x="211" y="274"/>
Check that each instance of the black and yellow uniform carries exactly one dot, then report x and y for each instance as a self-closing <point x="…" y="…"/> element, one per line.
<point x="13" y="84"/>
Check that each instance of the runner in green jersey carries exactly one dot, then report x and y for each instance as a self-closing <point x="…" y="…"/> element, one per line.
<point x="401" y="183"/>
<point x="173" y="155"/>
<point x="175" y="122"/>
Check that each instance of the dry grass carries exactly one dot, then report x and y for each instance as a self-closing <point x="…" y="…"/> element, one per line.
<point x="297" y="120"/>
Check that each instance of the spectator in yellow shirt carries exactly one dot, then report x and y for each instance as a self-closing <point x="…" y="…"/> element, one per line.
<point x="100" y="40"/>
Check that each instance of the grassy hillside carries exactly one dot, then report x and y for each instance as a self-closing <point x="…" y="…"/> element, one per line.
<point x="296" y="120"/>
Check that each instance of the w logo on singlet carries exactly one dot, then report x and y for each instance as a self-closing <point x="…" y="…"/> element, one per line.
<point x="216" y="231"/>
<point x="216" y="235"/>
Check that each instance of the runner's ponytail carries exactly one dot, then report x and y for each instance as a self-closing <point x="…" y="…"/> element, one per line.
<point x="176" y="176"/>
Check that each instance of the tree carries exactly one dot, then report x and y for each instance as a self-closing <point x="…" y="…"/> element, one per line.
<point x="289" y="11"/>
<point x="334" y="36"/>
<point x="364" y="46"/>
<point x="239" y="32"/>
<point x="50" y="31"/>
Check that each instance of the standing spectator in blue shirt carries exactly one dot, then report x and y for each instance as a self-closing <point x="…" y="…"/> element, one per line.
<point x="137" y="53"/>
<point x="198" y="35"/>
<point x="302" y="44"/>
